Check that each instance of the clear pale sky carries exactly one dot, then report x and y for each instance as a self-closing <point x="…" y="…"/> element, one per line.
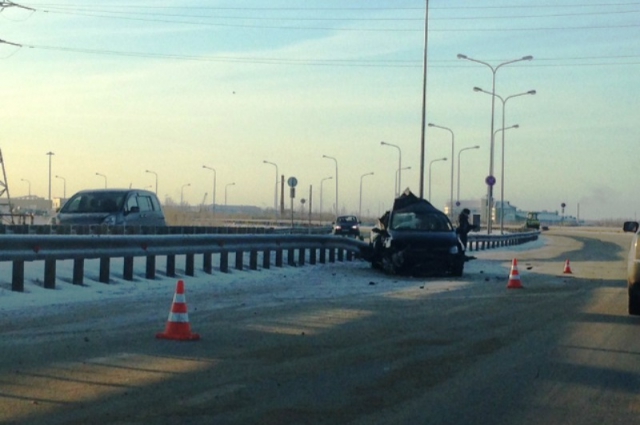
<point x="120" y="88"/>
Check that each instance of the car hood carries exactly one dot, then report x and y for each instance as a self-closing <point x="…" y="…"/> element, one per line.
<point x="417" y="238"/>
<point x="84" y="218"/>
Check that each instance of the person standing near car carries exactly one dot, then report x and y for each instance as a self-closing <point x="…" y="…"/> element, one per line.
<point x="464" y="227"/>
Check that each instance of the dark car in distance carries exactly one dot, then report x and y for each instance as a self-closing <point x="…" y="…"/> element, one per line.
<point x="347" y="225"/>
<point x="114" y="207"/>
<point x="416" y="238"/>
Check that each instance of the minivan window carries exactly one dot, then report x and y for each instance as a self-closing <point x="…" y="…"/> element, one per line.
<point x="132" y="202"/>
<point x="94" y="203"/>
<point x="144" y="202"/>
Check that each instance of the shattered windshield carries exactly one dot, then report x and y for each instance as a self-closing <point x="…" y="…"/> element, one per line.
<point x="424" y="221"/>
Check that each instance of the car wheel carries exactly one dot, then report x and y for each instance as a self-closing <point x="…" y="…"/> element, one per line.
<point x="388" y="266"/>
<point x="634" y="300"/>
<point x="457" y="270"/>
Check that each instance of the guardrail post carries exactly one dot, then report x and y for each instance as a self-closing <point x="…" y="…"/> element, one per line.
<point x="266" y="259"/>
<point x="340" y="254"/>
<point x="239" y="259"/>
<point x="17" y="277"/>
<point x="150" y="272"/>
<point x="105" y="262"/>
<point x="78" y="271"/>
<point x="207" y="263"/>
<point x="190" y="269"/>
<point x="127" y="268"/>
<point x="171" y="265"/>
<point x="323" y="255"/>
<point x="224" y="262"/>
<point x="349" y="255"/>
<point x="253" y="259"/>
<point x="50" y="274"/>
<point x="301" y="256"/>
<point x="291" y="260"/>
<point x="332" y="255"/>
<point x="279" y="257"/>
<point x="312" y="256"/>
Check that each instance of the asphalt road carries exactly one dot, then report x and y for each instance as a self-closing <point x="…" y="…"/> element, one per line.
<point x="562" y="350"/>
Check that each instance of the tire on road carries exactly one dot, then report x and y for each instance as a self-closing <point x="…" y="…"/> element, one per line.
<point x="634" y="300"/>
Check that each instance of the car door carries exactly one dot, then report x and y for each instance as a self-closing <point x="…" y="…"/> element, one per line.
<point x="132" y="214"/>
<point x="148" y="214"/>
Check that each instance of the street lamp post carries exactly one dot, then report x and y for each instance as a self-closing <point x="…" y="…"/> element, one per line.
<point x="424" y="98"/>
<point x="322" y="181"/>
<point x="50" y="155"/>
<point x="362" y="177"/>
<point x="225" y="192"/>
<point x="459" y="152"/>
<point x="29" y="183"/>
<point x="182" y="194"/>
<point x="504" y="104"/>
<point x="399" y="184"/>
<point x="105" y="179"/>
<point x="398" y="172"/>
<point x="275" y="197"/>
<point x="156" y="174"/>
<point x="336" y="161"/>
<point x="64" y="186"/>
<point x="452" y="162"/>
<point x="213" y="203"/>
<point x="503" y="129"/>
<point x="430" y="164"/>
<point x="491" y="177"/>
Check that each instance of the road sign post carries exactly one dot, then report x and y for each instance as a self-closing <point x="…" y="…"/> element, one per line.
<point x="292" y="182"/>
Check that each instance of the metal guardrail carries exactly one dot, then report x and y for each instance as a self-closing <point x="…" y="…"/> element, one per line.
<point x="49" y="244"/>
<point x="98" y="229"/>
<point x="476" y="242"/>
<point x="51" y="248"/>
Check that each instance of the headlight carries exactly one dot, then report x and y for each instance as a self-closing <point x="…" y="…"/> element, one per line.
<point x="110" y="220"/>
<point x="453" y="250"/>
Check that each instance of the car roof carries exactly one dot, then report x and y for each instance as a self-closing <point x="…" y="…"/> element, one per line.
<point x="407" y="201"/>
<point x="113" y="191"/>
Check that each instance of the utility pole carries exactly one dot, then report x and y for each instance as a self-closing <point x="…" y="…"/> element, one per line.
<point x="50" y="155"/>
<point x="4" y="188"/>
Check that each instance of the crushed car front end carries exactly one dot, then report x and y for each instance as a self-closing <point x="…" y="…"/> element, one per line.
<point x="416" y="238"/>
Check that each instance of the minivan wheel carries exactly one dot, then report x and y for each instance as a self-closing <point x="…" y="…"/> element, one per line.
<point x="634" y="300"/>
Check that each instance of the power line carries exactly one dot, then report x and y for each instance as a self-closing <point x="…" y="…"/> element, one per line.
<point x="309" y="28"/>
<point x="96" y="11"/>
<point x="364" y="8"/>
<point x="619" y="59"/>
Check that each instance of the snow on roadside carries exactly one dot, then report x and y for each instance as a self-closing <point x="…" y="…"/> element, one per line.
<point x="323" y="281"/>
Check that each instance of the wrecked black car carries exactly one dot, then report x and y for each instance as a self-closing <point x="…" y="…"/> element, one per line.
<point x="416" y="238"/>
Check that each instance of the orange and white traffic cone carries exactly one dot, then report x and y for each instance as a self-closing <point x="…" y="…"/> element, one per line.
<point x="178" y="327"/>
<point x="567" y="267"/>
<point x="514" y="276"/>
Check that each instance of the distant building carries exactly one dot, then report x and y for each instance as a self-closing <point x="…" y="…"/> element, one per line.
<point x="32" y="205"/>
<point x="477" y="208"/>
<point x="507" y="212"/>
<point x="512" y="215"/>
